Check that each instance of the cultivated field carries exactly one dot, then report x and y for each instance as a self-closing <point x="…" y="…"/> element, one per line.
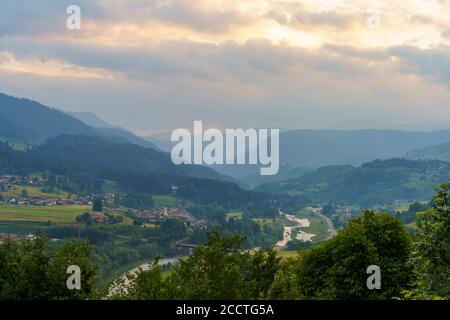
<point x="56" y="214"/>
<point x="33" y="192"/>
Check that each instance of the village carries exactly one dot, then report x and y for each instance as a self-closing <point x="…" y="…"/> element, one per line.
<point x="14" y="192"/>
<point x="7" y="181"/>
<point x="14" y="237"/>
<point x="155" y="215"/>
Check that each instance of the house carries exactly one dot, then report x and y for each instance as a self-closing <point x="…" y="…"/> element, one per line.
<point x="173" y="213"/>
<point x="99" y="217"/>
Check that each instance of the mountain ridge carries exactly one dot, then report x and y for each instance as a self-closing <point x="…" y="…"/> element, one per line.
<point x="33" y="122"/>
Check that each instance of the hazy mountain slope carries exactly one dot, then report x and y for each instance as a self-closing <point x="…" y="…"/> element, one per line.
<point x="377" y="182"/>
<point x="162" y="140"/>
<point x="106" y="129"/>
<point x="326" y="147"/>
<point x="33" y="122"/>
<point x="162" y="144"/>
<point x="436" y="152"/>
<point x="91" y="119"/>
<point x="11" y="130"/>
<point x="316" y="148"/>
<point x="88" y="151"/>
<point x="285" y="173"/>
<point x="43" y="122"/>
<point x="122" y="135"/>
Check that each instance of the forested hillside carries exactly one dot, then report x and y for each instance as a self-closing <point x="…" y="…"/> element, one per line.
<point x="372" y="183"/>
<point x="86" y="161"/>
<point x="436" y="152"/>
<point x="30" y="122"/>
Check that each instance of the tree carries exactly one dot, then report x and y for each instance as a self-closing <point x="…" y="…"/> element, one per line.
<point x="97" y="205"/>
<point x="73" y="252"/>
<point x="138" y="222"/>
<point x="85" y="218"/>
<point x="146" y="285"/>
<point x="328" y="210"/>
<point x="285" y="282"/>
<point x="336" y="269"/>
<point x="24" y="193"/>
<point x="172" y="229"/>
<point x="136" y="201"/>
<point x="220" y="269"/>
<point x="30" y="269"/>
<point x="431" y="258"/>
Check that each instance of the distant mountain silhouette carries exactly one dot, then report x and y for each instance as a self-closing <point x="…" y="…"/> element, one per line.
<point x="317" y="148"/>
<point x="373" y="183"/>
<point x="162" y="141"/>
<point x="32" y="122"/>
<point x="91" y="119"/>
<point x="40" y="122"/>
<point x="11" y="130"/>
<point x="436" y="152"/>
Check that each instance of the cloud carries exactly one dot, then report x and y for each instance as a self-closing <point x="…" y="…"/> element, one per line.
<point x="158" y="64"/>
<point x="428" y="62"/>
<point x="28" y="17"/>
<point x="307" y="19"/>
<point x="49" y="68"/>
<point x="446" y="34"/>
<point x="252" y="62"/>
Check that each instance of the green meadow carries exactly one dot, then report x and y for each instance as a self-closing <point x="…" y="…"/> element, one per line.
<point x="169" y="201"/>
<point x="56" y="214"/>
<point x="34" y="192"/>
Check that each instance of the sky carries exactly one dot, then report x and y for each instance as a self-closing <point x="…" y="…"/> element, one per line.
<point x="155" y="65"/>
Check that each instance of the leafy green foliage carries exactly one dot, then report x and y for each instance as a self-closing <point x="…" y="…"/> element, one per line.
<point x="410" y="215"/>
<point x="32" y="270"/>
<point x="432" y="256"/>
<point x="137" y="201"/>
<point x="172" y="229"/>
<point x="83" y="163"/>
<point x="97" y="205"/>
<point x="373" y="183"/>
<point x="337" y="268"/>
<point x="220" y="269"/>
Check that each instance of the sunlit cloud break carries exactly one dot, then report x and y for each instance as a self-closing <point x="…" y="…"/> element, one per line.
<point x="49" y="68"/>
<point x="173" y="61"/>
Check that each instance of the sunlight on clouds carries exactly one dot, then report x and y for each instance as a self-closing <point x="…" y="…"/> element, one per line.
<point x="282" y="35"/>
<point x="49" y="68"/>
<point x="272" y="58"/>
<point x="301" y="23"/>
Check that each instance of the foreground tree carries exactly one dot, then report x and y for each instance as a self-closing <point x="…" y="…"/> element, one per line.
<point x="336" y="269"/>
<point x="30" y="269"/>
<point x="431" y="258"/>
<point x="220" y="269"/>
